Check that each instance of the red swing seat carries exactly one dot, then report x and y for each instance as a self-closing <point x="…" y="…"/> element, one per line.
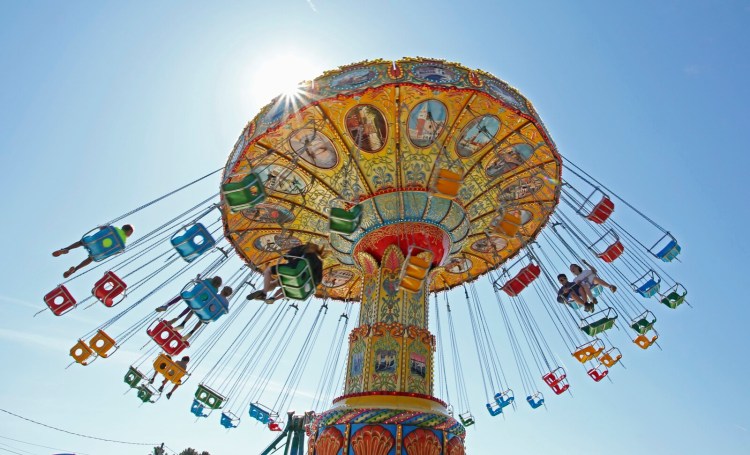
<point x="598" y="373"/>
<point x="60" y="300"/>
<point x="522" y="279"/>
<point x="601" y="211"/>
<point x="108" y="288"/>
<point x="167" y="337"/>
<point x="612" y="252"/>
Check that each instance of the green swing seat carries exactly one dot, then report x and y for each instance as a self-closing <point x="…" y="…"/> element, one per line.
<point x="675" y="296"/>
<point x="466" y="419"/>
<point x="296" y="279"/>
<point x="210" y="398"/>
<point x="245" y="193"/>
<point x="146" y="393"/>
<point x="599" y="322"/>
<point x="643" y="323"/>
<point x="133" y="377"/>
<point x="343" y="221"/>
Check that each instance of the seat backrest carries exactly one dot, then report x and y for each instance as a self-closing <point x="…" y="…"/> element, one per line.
<point x="103" y="344"/>
<point x="60" y="300"/>
<point x="168" y="338"/>
<point x="82" y="353"/>
<point x="109" y="288"/>
<point x="104" y="243"/>
<point x="535" y="400"/>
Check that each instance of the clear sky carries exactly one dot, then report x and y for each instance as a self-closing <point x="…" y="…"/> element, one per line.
<point x="104" y="105"/>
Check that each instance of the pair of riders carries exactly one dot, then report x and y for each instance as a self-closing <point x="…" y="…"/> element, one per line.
<point x="215" y="282"/>
<point x="579" y="290"/>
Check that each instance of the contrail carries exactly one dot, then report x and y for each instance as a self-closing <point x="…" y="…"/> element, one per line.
<point x="312" y="6"/>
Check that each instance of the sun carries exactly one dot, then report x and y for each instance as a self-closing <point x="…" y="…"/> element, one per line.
<point x="281" y="74"/>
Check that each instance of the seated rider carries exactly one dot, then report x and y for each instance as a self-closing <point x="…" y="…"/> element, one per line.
<point x="223" y="296"/>
<point x="182" y="363"/>
<point x="215" y="282"/>
<point x="572" y="291"/>
<point x="587" y="279"/>
<point x="124" y="232"/>
<point x="314" y="254"/>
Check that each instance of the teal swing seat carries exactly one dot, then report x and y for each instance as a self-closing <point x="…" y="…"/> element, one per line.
<point x="675" y="296"/>
<point x="342" y="220"/>
<point x="648" y="284"/>
<point x="668" y="251"/>
<point x="296" y="278"/>
<point x="245" y="193"/>
<point x="599" y="322"/>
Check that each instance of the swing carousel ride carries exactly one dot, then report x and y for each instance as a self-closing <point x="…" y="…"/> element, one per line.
<point x="420" y="178"/>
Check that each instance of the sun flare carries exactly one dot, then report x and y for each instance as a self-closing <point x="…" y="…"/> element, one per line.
<point x="281" y="74"/>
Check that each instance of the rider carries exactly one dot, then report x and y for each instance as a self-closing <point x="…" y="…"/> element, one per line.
<point x="314" y="254"/>
<point x="124" y="232"/>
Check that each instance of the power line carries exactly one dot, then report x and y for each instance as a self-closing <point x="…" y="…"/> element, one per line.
<point x="11" y="451"/>
<point x="79" y="434"/>
<point x="44" y="447"/>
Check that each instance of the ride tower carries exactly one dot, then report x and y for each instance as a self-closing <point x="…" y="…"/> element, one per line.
<point x="417" y="176"/>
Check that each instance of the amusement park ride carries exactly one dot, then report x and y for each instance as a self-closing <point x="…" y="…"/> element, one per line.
<point x="420" y="177"/>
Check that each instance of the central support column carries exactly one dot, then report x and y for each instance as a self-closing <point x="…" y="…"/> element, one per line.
<point x="387" y="407"/>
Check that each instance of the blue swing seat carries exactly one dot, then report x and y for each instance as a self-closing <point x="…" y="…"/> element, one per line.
<point x="649" y="284"/>
<point x="229" y="420"/>
<point x="259" y="413"/>
<point x="195" y="241"/>
<point x="504" y="399"/>
<point x="104" y="243"/>
<point x="198" y="409"/>
<point x="494" y="409"/>
<point x="205" y="300"/>
<point x="536" y="400"/>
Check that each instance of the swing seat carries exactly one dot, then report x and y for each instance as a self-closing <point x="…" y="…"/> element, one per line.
<point x="82" y="353"/>
<point x="447" y="184"/>
<point x="104" y="243"/>
<point x="675" y="296"/>
<point x="146" y="393"/>
<point x="601" y="211"/>
<point x="466" y="419"/>
<point x="414" y="271"/>
<point x="103" y="344"/>
<point x="296" y="278"/>
<point x="649" y="288"/>
<point x="343" y="221"/>
<point x="598" y="373"/>
<point x="261" y="413"/>
<point x="109" y="288"/>
<point x="195" y="241"/>
<point x="133" y="377"/>
<point x="644" y="342"/>
<point x="60" y="300"/>
<point x="612" y="252"/>
<point x="209" y="397"/>
<point x="589" y="350"/>
<point x="198" y="410"/>
<point x="504" y="399"/>
<point x="274" y="426"/>
<point x="669" y="252"/>
<point x="536" y="400"/>
<point x="204" y="300"/>
<point x="494" y="409"/>
<point x="610" y="358"/>
<point x="509" y="224"/>
<point x="229" y="420"/>
<point x="599" y="322"/>
<point x="597" y="290"/>
<point x="167" y="337"/>
<point x="169" y="369"/>
<point x="557" y="380"/>
<point x="643" y="323"/>
<point x="245" y="193"/>
<point x="522" y="279"/>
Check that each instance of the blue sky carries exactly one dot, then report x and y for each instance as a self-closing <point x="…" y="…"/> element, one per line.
<point x="106" y="105"/>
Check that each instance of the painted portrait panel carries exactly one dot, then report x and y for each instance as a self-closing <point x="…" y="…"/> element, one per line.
<point x="489" y="244"/>
<point x="367" y="127"/>
<point x="314" y="147"/>
<point x="283" y="179"/>
<point x="477" y="134"/>
<point x="426" y="122"/>
<point x="508" y="158"/>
